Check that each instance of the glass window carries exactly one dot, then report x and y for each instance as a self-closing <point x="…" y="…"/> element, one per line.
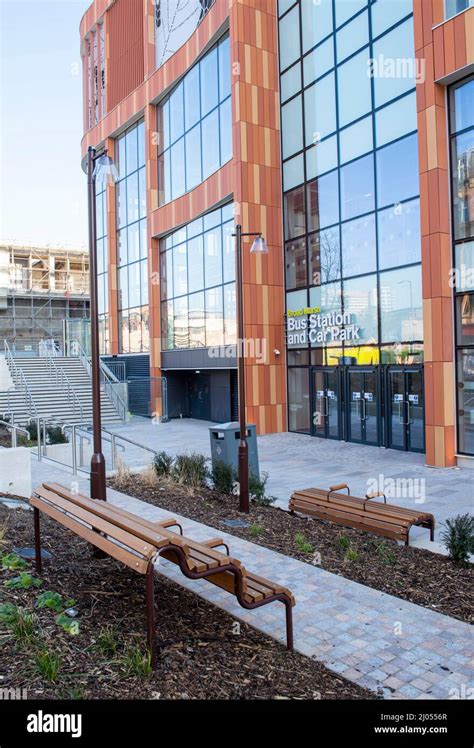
<point x="124" y="332"/>
<point x="321" y="157"/>
<point x="289" y="38"/>
<point x="320" y="110"/>
<point x="292" y="127"/>
<point x="295" y="263"/>
<point x="396" y="119"/>
<point x="294" y="213"/>
<point x="462" y="105"/>
<point x="180" y="270"/>
<point x="293" y="172"/>
<point x="141" y="143"/>
<point x="197" y="321"/>
<point x="394" y="66"/>
<point x="142" y="192"/>
<point x="323" y="201"/>
<point x="456" y="6"/>
<point x="354" y="94"/>
<point x="133" y="213"/>
<point x="318" y="62"/>
<point x="133" y="241"/>
<point x="214" y="317"/>
<point x="462" y="167"/>
<point x="399" y="235"/>
<point x="352" y="36"/>
<point x="213" y="257"/>
<point x="327" y="298"/>
<point x="464" y="275"/>
<point x="210" y="139"/>
<point x="397" y="171"/>
<point x="192" y="105"/>
<point x="224" y="69"/>
<point x="143" y="240"/>
<point x="123" y="288"/>
<point x="177" y="169"/>
<point x="121" y="195"/>
<point x="195" y="263"/>
<point x="121" y="157"/>
<point x="144" y="281"/>
<point x="122" y="247"/>
<point x="324" y="256"/>
<point x="386" y="13"/>
<point x="465" y="319"/>
<point x="226" y="131"/>
<point x="230" y="314"/>
<point x="228" y="246"/>
<point x="193" y="157"/>
<point x="284" y="5"/>
<point x="465" y="404"/>
<point x="360" y="301"/>
<point x="209" y="91"/>
<point x="400" y="305"/>
<point x="345" y="9"/>
<point x="131" y="144"/>
<point x="181" y="323"/>
<point x="290" y="82"/>
<point x="298" y="400"/>
<point x="134" y="279"/>
<point x="356" y="140"/>
<point x="316" y="22"/>
<point x="357" y="187"/>
<point x="358" y="246"/>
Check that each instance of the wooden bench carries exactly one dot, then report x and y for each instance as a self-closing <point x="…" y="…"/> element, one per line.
<point x="379" y="518"/>
<point x="138" y="543"/>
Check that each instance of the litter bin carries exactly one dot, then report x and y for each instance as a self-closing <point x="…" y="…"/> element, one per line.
<point x="225" y="439"/>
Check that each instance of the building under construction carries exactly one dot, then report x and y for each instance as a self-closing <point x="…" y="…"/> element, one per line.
<point x="40" y="287"/>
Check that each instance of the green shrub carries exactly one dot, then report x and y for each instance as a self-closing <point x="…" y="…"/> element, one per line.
<point x="343" y="542"/>
<point x="24" y="582"/>
<point x="351" y="555"/>
<point x="190" y="470"/>
<point x="162" y="464"/>
<point x="136" y="661"/>
<point x="458" y="536"/>
<point x="223" y="477"/>
<point x="8" y="614"/>
<point x="12" y="562"/>
<point x="52" y="600"/>
<point x="303" y="545"/>
<point x="56" y="435"/>
<point x="48" y="664"/>
<point x="256" y="530"/>
<point x="257" y="486"/>
<point x="24" y="625"/>
<point x="107" y="641"/>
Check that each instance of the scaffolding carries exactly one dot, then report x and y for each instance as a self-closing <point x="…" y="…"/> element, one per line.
<point x="39" y="288"/>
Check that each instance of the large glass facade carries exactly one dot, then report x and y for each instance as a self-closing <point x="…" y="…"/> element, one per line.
<point x="351" y="185"/>
<point x="198" y="298"/>
<point x="461" y="98"/>
<point x="102" y="269"/>
<point x="132" y="247"/>
<point x="195" y="125"/>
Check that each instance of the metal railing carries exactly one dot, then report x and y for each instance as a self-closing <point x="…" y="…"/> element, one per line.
<point x="117" y="368"/>
<point x="116" y="391"/>
<point x="61" y="380"/>
<point x="34" y="347"/>
<point x="19" y="379"/>
<point x="15" y="429"/>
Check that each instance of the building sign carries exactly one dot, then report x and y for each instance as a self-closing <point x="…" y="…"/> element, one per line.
<point x="308" y="325"/>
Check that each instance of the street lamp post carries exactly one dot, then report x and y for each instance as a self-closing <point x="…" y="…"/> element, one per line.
<point x="99" y="167"/>
<point x="258" y="247"/>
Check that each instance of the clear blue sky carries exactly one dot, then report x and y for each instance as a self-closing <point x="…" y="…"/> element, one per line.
<point x="42" y="186"/>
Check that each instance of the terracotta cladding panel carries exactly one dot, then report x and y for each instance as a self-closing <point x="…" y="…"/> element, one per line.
<point x="126" y="49"/>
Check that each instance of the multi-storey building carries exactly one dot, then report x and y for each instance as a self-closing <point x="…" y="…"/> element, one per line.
<point x="343" y="130"/>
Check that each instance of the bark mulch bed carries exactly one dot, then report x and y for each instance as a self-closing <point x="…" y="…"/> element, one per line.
<point x="200" y="655"/>
<point x="413" y="574"/>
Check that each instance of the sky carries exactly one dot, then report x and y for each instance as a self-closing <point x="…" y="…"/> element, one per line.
<point x="43" y="197"/>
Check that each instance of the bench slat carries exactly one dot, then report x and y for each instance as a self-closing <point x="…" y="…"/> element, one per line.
<point x="385" y="509"/>
<point x="366" y="518"/>
<point x="121" y="554"/>
<point x="354" y="510"/>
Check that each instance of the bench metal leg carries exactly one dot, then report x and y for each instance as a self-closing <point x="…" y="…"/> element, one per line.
<point x="289" y="626"/>
<point x="37" y="540"/>
<point x="432" y="530"/>
<point x="150" y="613"/>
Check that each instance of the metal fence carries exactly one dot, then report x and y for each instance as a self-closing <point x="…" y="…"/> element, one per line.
<point x="148" y="397"/>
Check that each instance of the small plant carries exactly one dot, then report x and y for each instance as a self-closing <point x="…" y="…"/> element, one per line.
<point x="52" y="600"/>
<point x="190" y="470"/>
<point x="12" y="562"/>
<point x="351" y="555"/>
<point x="303" y="545"/>
<point x="48" y="664"/>
<point x="223" y="477"/>
<point x="122" y="475"/>
<point x="56" y="435"/>
<point x="458" y="536"/>
<point x="257" y="486"/>
<point x="24" y="625"/>
<point x="137" y="662"/>
<point x="76" y="693"/>
<point x="386" y="553"/>
<point x="162" y="464"/>
<point x="8" y="614"/>
<point x="256" y="530"/>
<point x="149" y="477"/>
<point x="343" y="542"/>
<point x="69" y="625"/>
<point x="23" y="582"/>
<point x="107" y="641"/>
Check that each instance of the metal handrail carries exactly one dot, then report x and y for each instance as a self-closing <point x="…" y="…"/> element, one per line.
<point x="20" y="379"/>
<point x="62" y="380"/>
<point x="107" y="379"/>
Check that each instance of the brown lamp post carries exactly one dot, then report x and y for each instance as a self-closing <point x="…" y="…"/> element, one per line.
<point x="259" y="246"/>
<point x="100" y="167"/>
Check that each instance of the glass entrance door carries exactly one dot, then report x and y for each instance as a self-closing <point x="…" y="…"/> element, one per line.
<point x="406" y="408"/>
<point x="363" y="405"/>
<point x="326" y="403"/>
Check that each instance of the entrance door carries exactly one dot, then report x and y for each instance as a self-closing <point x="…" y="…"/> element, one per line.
<point x="363" y="405"/>
<point x="326" y="403"/>
<point x="405" y="411"/>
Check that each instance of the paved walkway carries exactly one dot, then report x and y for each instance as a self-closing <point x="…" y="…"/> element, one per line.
<point x="369" y="637"/>
<point x="295" y="461"/>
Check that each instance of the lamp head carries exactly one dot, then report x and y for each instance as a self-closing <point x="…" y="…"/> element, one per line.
<point x="259" y="246"/>
<point x="105" y="171"/>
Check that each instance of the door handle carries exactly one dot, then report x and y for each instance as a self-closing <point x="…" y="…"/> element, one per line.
<point x="409" y="418"/>
<point x="326" y="401"/>
<point x="401" y="418"/>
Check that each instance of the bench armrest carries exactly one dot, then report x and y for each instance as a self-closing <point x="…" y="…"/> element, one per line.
<point x="338" y="487"/>
<point x="374" y="495"/>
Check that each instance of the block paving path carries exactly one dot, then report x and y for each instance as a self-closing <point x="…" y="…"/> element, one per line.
<point x="376" y="640"/>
